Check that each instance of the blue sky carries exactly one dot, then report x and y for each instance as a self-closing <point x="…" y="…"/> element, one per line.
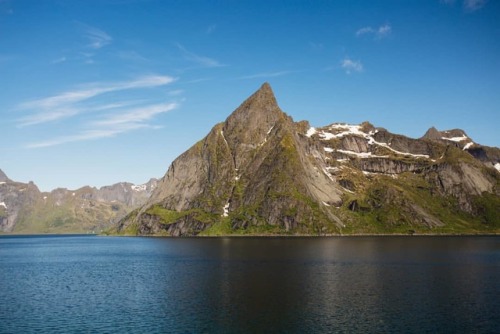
<point x="97" y="92"/>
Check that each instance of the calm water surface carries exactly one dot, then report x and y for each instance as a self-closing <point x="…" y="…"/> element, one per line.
<point x="86" y="284"/>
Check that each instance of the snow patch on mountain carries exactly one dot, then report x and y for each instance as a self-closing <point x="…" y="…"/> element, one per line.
<point x="356" y="130"/>
<point x="372" y="141"/>
<point x="311" y="132"/>
<point x="362" y="155"/>
<point x="456" y="139"/>
<point x="141" y="187"/>
<point x="468" y="145"/>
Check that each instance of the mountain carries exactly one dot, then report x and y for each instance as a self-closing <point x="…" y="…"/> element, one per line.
<point x="25" y="209"/>
<point x="259" y="172"/>
<point x="490" y="156"/>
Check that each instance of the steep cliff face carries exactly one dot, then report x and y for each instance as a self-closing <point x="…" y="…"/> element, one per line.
<point x="260" y="172"/>
<point x="25" y="209"/>
<point x="253" y="170"/>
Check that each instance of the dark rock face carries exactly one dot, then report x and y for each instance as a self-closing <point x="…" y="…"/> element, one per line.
<point x="261" y="171"/>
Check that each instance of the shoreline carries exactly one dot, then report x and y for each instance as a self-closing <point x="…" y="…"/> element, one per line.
<point x="257" y="235"/>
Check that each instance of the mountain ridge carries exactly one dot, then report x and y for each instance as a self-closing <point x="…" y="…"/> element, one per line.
<point x="261" y="172"/>
<point x="26" y="209"/>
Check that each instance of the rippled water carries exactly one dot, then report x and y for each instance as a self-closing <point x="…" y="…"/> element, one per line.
<point x="144" y="285"/>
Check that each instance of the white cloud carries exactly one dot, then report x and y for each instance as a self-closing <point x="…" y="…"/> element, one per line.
<point x="112" y="125"/>
<point x="200" y="60"/>
<point x="48" y="116"/>
<point x="138" y="115"/>
<point x="115" y="105"/>
<point x="378" y="33"/>
<point x="66" y="104"/>
<point x="119" y="116"/>
<point x="383" y="31"/>
<point x="473" y="5"/>
<point x="350" y="65"/>
<point x="87" y="135"/>
<point x="365" y="30"/>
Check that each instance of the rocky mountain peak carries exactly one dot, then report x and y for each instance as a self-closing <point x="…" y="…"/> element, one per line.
<point x="264" y="96"/>
<point x="252" y="122"/>
<point x="432" y="134"/>
<point x="259" y="110"/>
<point x="453" y="135"/>
<point x="457" y="137"/>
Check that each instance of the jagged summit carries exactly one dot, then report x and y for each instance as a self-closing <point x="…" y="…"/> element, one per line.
<point x="432" y="134"/>
<point x="435" y="134"/>
<point x="456" y="136"/>
<point x="264" y="97"/>
<point x="255" y="113"/>
<point x="252" y="122"/>
<point x="263" y="101"/>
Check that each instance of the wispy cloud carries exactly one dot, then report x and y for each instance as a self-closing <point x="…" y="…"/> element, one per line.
<point x="67" y="104"/>
<point x="103" y="120"/>
<point x="365" y="30"/>
<point x="48" y="116"/>
<point x="175" y="92"/>
<point x="200" y="60"/>
<point x="85" y="136"/>
<point x="266" y="75"/>
<point x="136" y="116"/>
<point x="379" y="33"/>
<point x="350" y="65"/>
<point x="96" y="37"/>
<point x="111" y="125"/>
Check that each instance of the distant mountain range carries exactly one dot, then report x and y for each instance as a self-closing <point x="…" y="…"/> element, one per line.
<point x="259" y="172"/>
<point x="25" y="209"/>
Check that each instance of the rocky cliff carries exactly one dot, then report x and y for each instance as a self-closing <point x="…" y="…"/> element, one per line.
<point x="25" y="209"/>
<point x="261" y="172"/>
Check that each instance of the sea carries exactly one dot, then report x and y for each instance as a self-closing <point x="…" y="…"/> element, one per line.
<point x="96" y="284"/>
